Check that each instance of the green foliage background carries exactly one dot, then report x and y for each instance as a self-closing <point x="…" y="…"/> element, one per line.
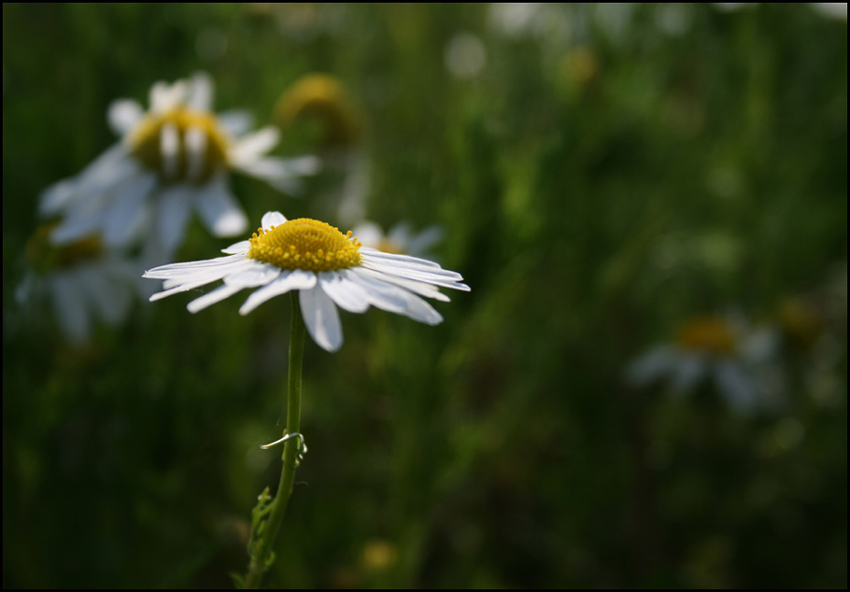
<point x="608" y="174"/>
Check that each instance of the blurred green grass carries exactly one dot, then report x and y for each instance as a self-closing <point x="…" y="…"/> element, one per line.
<point x="608" y="173"/>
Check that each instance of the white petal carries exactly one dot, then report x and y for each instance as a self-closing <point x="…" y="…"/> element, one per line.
<point x="650" y="366"/>
<point x="169" y="147"/>
<point x="123" y="215"/>
<point x="273" y="219"/>
<point x="251" y="147"/>
<point x="735" y="386"/>
<point x="172" y="215"/>
<point x="181" y="287"/>
<point x="259" y="274"/>
<point x="345" y="293"/>
<point x="241" y="248"/>
<point x="436" y="279"/>
<point x="274" y="168"/>
<point x="322" y="319"/>
<point x="208" y="275"/>
<point x="394" y="299"/>
<point x="219" y="209"/>
<point x="55" y="197"/>
<point x="402" y="260"/>
<point x="424" y="240"/>
<point x="235" y="123"/>
<point x="368" y="233"/>
<point x="164" y="96"/>
<point x="427" y="290"/>
<point x="70" y="306"/>
<point x="689" y="369"/>
<point x="124" y="115"/>
<point x="109" y="292"/>
<point x="75" y="227"/>
<point x="297" y="279"/>
<point x="195" y="141"/>
<point x="199" y="92"/>
<point x="172" y="270"/>
<point x="211" y="298"/>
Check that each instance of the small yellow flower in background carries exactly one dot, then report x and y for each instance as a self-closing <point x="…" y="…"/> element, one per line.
<point x="172" y="159"/>
<point x="324" y="97"/>
<point x="400" y="239"/>
<point x="723" y="350"/>
<point x="378" y="555"/>
<point x="327" y="267"/>
<point x="83" y="282"/>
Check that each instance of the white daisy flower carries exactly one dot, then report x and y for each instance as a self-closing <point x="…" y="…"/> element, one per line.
<point x="328" y="268"/>
<point x="172" y="159"/>
<point x="400" y="240"/>
<point x="84" y="283"/>
<point x="726" y="352"/>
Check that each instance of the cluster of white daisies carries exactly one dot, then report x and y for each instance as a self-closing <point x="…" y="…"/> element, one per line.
<point x="129" y="209"/>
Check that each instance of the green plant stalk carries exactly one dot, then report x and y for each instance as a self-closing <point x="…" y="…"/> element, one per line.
<point x="259" y="560"/>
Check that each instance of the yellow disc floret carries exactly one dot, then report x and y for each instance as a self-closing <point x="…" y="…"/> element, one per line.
<point x="145" y="143"/>
<point x="708" y="334"/>
<point x="305" y="244"/>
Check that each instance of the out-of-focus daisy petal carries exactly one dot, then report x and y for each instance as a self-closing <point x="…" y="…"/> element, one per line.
<point x="122" y="215"/>
<point x="199" y="92"/>
<point x="689" y="370"/>
<point x="172" y="214"/>
<point x="220" y="211"/>
<point x="195" y="142"/>
<point x="650" y="366"/>
<point x="124" y="115"/>
<point x="235" y="123"/>
<point x="321" y="318"/>
<point x="69" y="303"/>
<point x="169" y="149"/>
<point x="737" y="389"/>
<point x="251" y="147"/>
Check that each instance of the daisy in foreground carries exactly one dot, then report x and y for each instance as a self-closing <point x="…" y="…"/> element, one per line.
<point x="328" y="268"/>
<point x="172" y="159"/>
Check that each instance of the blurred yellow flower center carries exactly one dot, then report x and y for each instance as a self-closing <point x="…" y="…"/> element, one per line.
<point x="181" y="145"/>
<point x="45" y="256"/>
<point x="388" y="246"/>
<point x="305" y="244"/>
<point x="707" y="334"/>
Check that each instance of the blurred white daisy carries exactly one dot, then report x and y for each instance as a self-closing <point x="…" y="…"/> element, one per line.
<point x="84" y="283"/>
<point x="400" y="240"/>
<point x="328" y="268"/>
<point x="172" y="159"/>
<point x="724" y="351"/>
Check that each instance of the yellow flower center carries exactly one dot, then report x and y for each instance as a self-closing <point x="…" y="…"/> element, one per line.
<point x="200" y="145"/>
<point x="707" y="334"/>
<point x="45" y="256"/>
<point x="305" y="244"/>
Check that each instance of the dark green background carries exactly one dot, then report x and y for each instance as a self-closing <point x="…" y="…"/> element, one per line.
<point x="591" y="209"/>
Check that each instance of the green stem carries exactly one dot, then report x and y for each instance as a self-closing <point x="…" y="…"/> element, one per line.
<point x="259" y="559"/>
